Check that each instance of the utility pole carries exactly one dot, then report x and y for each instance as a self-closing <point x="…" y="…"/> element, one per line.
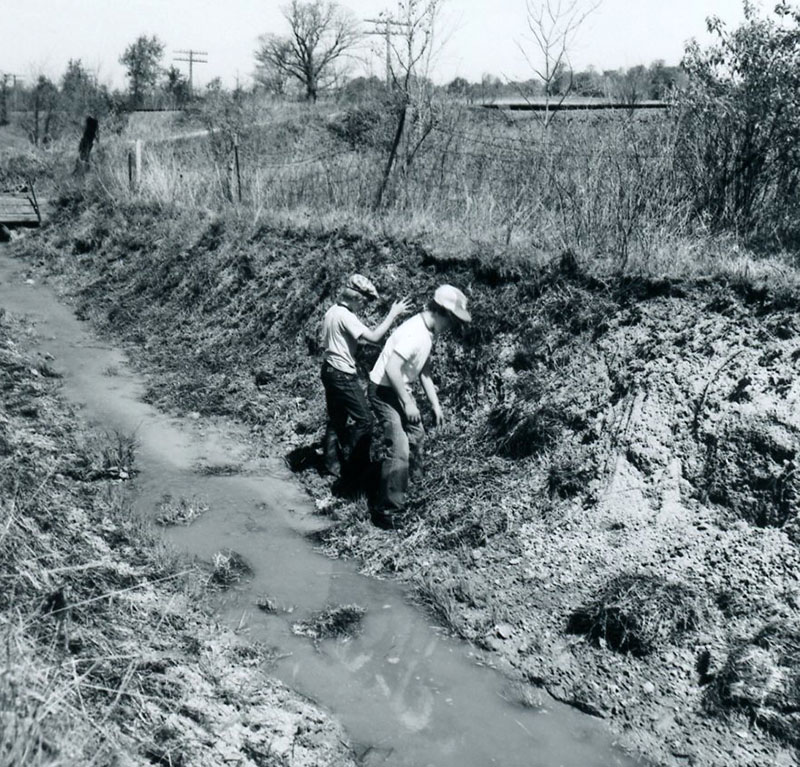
<point x="194" y="57"/>
<point x="386" y="32"/>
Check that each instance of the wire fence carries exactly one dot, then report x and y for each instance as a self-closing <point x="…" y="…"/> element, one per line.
<point x="574" y="185"/>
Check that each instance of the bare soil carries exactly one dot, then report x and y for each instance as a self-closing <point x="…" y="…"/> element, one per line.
<point x="612" y="506"/>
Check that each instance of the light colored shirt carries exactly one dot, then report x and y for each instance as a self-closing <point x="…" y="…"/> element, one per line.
<point x="412" y="342"/>
<point x="341" y="330"/>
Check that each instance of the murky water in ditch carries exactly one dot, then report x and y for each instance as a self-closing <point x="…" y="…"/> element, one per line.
<point x="407" y="694"/>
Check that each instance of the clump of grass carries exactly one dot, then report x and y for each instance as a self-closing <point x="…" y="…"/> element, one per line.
<point x="219" y="469"/>
<point x="519" y="432"/>
<point x="229" y="567"/>
<point x="332" y="622"/>
<point x="636" y="614"/>
<point x="180" y="511"/>
<point x="761" y="678"/>
<point x="569" y="474"/>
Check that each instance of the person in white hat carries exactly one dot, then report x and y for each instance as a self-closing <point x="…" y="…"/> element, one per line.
<point x="349" y="429"/>
<point x="405" y="359"/>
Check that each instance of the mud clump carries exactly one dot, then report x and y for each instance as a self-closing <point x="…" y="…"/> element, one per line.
<point x="179" y="511"/>
<point x="762" y="679"/>
<point x="637" y="614"/>
<point x="751" y="468"/>
<point x="229" y="567"/>
<point x="332" y="622"/>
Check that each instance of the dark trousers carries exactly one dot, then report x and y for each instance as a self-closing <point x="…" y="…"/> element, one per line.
<point x="349" y="430"/>
<point x="403" y="447"/>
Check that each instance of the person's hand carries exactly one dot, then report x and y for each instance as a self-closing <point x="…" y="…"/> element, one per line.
<point x="438" y="416"/>
<point x="401" y="307"/>
<point x="412" y="412"/>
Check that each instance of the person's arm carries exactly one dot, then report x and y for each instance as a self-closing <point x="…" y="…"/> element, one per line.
<point x="375" y="334"/>
<point x="394" y="373"/>
<point x="430" y="392"/>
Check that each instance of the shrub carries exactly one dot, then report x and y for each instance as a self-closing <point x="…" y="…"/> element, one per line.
<point x="739" y="145"/>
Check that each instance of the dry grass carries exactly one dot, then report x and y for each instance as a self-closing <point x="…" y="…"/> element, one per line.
<point x="637" y="614"/>
<point x="179" y="511"/>
<point x="334" y="622"/>
<point x="228" y="567"/>
<point x="604" y="188"/>
<point x="761" y="678"/>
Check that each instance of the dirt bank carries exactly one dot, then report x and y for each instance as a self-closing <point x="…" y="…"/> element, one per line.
<point x="613" y="504"/>
<point x="109" y="657"/>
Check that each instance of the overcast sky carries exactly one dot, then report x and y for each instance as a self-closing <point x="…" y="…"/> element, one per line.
<point x="476" y="36"/>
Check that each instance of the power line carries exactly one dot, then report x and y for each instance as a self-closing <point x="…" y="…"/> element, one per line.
<point x="386" y="33"/>
<point x="193" y="58"/>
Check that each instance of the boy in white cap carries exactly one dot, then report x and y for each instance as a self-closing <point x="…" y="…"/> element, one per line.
<point x="344" y="395"/>
<point x="404" y="359"/>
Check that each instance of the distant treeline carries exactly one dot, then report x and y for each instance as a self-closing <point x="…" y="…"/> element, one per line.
<point x="46" y="108"/>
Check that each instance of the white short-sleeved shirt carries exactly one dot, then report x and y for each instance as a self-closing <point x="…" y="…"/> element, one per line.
<point x="412" y="341"/>
<point x="341" y="330"/>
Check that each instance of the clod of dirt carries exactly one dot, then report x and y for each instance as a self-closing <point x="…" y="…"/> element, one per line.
<point x="762" y="678"/>
<point x="229" y="567"/>
<point x="338" y="621"/>
<point x="638" y="613"/>
<point x="751" y="469"/>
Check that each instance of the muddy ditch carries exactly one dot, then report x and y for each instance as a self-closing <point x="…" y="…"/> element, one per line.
<point x="110" y="656"/>
<point x="605" y="441"/>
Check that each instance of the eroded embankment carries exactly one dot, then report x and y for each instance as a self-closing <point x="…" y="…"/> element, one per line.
<point x="613" y="504"/>
<point x="108" y="656"/>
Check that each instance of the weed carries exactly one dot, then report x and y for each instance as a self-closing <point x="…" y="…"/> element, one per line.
<point x="228" y="568"/>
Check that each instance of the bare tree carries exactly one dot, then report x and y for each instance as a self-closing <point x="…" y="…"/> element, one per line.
<point x="553" y="25"/>
<point x="322" y="32"/>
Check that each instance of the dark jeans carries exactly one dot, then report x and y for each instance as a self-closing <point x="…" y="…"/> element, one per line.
<point x="346" y="402"/>
<point x="403" y="445"/>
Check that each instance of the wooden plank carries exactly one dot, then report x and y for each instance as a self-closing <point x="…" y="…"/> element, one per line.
<point x="17" y="209"/>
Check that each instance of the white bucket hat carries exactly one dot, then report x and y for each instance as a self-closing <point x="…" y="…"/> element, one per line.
<point x="454" y="301"/>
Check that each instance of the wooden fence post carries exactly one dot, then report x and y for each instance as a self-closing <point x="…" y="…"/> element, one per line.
<point x="138" y="174"/>
<point x="135" y="165"/>
<point x="236" y="161"/>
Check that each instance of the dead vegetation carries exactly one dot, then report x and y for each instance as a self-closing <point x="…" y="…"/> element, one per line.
<point x="761" y="678"/>
<point x="179" y="511"/>
<point x="639" y="614"/>
<point x="335" y="622"/>
<point x="228" y="567"/>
